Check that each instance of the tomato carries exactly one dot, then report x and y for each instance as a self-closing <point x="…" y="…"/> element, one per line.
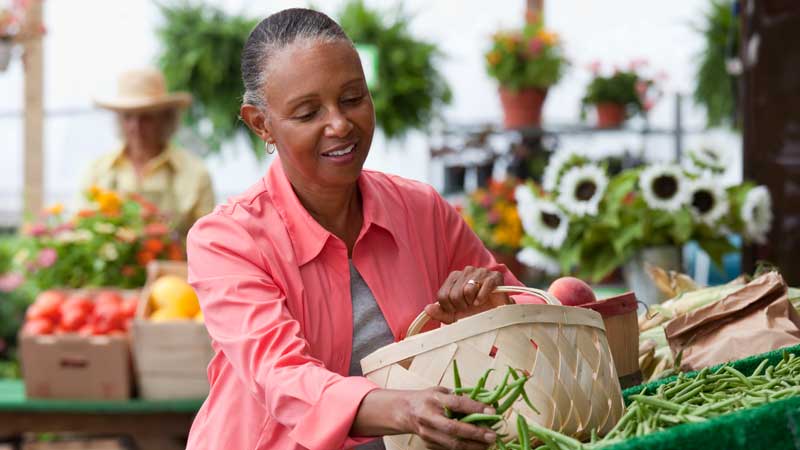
<point x="73" y="318"/>
<point x="103" y="297"/>
<point x="38" y="326"/>
<point x="108" y="316"/>
<point x="80" y="302"/>
<point x="129" y="306"/>
<point x="47" y="305"/>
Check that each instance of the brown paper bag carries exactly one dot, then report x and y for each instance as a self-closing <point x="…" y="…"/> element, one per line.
<point x="755" y="319"/>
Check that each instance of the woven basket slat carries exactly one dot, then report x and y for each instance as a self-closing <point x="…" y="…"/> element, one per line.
<point x="573" y="380"/>
<point x="433" y="364"/>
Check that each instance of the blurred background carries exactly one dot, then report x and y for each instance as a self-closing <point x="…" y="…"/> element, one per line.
<point x="645" y="146"/>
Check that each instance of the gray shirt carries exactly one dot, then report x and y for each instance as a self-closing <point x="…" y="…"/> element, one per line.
<point x="370" y="332"/>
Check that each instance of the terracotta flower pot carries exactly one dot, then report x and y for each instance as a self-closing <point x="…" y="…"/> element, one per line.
<point x="610" y="115"/>
<point x="522" y="108"/>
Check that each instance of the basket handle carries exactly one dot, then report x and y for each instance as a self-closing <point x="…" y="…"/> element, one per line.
<point x="423" y="317"/>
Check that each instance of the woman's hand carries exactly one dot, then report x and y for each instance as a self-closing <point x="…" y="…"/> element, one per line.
<point x="425" y="413"/>
<point x="467" y="292"/>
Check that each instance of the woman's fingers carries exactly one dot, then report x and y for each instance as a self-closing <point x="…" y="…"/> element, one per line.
<point x="490" y="282"/>
<point x="464" y="290"/>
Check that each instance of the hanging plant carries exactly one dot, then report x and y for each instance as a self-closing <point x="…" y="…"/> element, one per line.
<point x="200" y="49"/>
<point x="717" y="78"/>
<point x="409" y="90"/>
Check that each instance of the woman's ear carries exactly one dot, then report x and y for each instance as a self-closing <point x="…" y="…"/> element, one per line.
<point x="256" y="120"/>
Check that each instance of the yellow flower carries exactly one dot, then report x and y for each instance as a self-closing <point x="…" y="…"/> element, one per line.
<point x="548" y="37"/>
<point x="470" y="222"/>
<point x="493" y="58"/>
<point x="94" y="191"/>
<point x="55" y="209"/>
<point x="109" y="202"/>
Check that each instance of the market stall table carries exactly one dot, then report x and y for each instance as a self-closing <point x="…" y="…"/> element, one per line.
<point x="153" y="425"/>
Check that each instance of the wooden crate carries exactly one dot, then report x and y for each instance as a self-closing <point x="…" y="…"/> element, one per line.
<point x="170" y="358"/>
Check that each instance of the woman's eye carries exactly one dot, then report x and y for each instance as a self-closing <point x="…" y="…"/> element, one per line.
<point x="306" y="117"/>
<point x="353" y="100"/>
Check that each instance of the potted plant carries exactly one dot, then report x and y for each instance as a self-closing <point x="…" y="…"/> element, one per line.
<point x="409" y="90"/>
<point x="588" y="223"/>
<point x="525" y="63"/>
<point x="492" y="214"/>
<point x="619" y="95"/>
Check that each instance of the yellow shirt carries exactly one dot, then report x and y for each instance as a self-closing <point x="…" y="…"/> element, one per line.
<point x="176" y="181"/>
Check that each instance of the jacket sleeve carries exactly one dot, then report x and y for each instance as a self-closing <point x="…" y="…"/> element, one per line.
<point x="465" y="248"/>
<point x="247" y="317"/>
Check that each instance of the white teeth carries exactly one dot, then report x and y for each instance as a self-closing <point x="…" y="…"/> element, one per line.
<point x="341" y="152"/>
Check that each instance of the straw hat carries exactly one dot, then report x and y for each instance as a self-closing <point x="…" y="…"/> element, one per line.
<point x="143" y="90"/>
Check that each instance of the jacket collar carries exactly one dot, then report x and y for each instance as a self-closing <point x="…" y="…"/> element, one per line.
<point x="307" y="235"/>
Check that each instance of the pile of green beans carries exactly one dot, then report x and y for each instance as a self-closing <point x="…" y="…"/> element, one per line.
<point x="501" y="398"/>
<point x="685" y="400"/>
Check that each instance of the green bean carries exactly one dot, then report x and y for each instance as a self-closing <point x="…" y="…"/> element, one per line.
<point x="522" y="432"/>
<point x="480" y="417"/>
<point x="688" y="394"/>
<point x="498" y="392"/>
<point x="760" y="368"/>
<point x="481" y="383"/>
<point x="738" y="375"/>
<point x="456" y="377"/>
<point x="510" y="399"/>
<point x="657" y="402"/>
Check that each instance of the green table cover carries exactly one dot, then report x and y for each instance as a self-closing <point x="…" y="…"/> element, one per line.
<point x="12" y="399"/>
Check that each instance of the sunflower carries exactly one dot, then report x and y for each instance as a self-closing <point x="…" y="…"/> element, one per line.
<point x="756" y="214"/>
<point x="538" y="260"/>
<point x="664" y="186"/>
<point x="581" y="189"/>
<point x="542" y="220"/>
<point x="707" y="200"/>
<point x="559" y="161"/>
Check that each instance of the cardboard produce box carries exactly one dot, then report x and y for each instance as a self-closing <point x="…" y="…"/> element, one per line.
<point x="74" y="345"/>
<point x="72" y="366"/>
<point x="171" y="356"/>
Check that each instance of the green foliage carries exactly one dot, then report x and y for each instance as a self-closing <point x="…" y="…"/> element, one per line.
<point x="200" y="53"/>
<point x="716" y="88"/>
<point x="410" y="90"/>
<point x="527" y="58"/>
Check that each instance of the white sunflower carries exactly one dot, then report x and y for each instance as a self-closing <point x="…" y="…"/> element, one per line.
<point x="756" y="214"/>
<point x="538" y="260"/>
<point x="581" y="189"/>
<point x="707" y="200"/>
<point x="664" y="186"/>
<point x="558" y="162"/>
<point x="544" y="221"/>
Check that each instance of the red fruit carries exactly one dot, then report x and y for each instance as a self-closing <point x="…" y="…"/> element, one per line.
<point x="108" y="297"/>
<point x="80" y="302"/>
<point x="86" y="330"/>
<point x="73" y="318"/>
<point x="38" y="326"/>
<point x="108" y="316"/>
<point x="47" y="305"/>
<point x="129" y="306"/>
<point x="572" y="291"/>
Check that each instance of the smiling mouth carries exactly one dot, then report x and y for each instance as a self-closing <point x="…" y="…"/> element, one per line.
<point x="342" y="152"/>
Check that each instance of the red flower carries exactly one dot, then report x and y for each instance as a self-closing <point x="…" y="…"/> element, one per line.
<point x="144" y="257"/>
<point x="535" y="46"/>
<point x="154" y="246"/>
<point x="175" y="252"/>
<point x="156" y="229"/>
<point x="128" y="271"/>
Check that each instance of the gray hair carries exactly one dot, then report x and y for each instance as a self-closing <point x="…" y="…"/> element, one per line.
<point x="275" y="33"/>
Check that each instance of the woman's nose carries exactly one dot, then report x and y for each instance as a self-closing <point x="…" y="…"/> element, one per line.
<point x="338" y="125"/>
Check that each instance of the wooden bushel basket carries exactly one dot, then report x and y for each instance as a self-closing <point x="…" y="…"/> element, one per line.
<point x="573" y="382"/>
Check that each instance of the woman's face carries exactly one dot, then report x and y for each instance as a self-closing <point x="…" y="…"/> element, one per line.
<point x="319" y="113"/>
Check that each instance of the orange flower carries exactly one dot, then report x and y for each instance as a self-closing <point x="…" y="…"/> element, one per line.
<point x="84" y="213"/>
<point x="548" y="37"/>
<point x="153" y="246"/>
<point x="55" y="209"/>
<point x="94" y="191"/>
<point x="144" y="257"/>
<point x="175" y="253"/>
<point x="493" y="58"/>
<point x="109" y="202"/>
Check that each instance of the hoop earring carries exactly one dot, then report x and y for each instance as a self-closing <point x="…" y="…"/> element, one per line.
<point x="271" y="148"/>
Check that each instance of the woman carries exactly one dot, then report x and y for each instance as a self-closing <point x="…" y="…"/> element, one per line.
<point x="320" y="263"/>
<point x="175" y="180"/>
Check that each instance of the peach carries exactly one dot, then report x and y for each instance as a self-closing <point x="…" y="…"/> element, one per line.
<point x="572" y="291"/>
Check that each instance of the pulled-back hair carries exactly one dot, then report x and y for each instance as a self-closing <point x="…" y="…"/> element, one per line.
<point x="274" y="34"/>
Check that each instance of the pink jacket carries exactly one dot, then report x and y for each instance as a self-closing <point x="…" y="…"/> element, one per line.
<point x="275" y="291"/>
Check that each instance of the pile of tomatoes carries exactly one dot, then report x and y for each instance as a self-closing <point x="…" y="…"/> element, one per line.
<point x="103" y="312"/>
